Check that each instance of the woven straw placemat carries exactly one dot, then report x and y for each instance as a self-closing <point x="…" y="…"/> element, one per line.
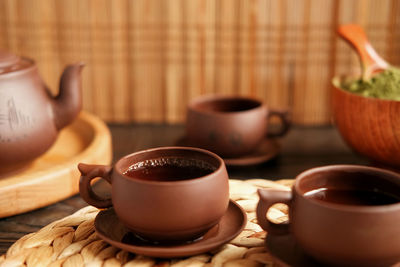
<point x="72" y="241"/>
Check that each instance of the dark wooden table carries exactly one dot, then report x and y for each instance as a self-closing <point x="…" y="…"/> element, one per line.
<point x="302" y="148"/>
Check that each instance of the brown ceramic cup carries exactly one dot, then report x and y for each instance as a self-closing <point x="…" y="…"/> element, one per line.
<point x="231" y="126"/>
<point x="157" y="210"/>
<point x="340" y="234"/>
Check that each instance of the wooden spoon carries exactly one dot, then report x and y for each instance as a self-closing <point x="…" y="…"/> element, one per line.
<point x="371" y="62"/>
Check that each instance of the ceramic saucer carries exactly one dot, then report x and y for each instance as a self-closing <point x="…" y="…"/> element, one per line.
<point x="268" y="149"/>
<point x="287" y="253"/>
<point x="111" y="230"/>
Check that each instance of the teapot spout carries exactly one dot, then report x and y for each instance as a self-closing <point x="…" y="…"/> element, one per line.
<point x="68" y="103"/>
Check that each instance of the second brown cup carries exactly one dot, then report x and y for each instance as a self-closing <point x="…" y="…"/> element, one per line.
<point x="231" y="126"/>
<point x="341" y="215"/>
<point x="163" y="194"/>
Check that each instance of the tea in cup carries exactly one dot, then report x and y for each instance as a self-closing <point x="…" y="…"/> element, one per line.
<point x="231" y="126"/>
<point x="341" y="215"/>
<point x="163" y="194"/>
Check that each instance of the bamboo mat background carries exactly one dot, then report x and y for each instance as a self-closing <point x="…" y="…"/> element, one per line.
<point x="147" y="58"/>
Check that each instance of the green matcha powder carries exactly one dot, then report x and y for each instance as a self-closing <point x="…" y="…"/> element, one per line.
<point x="384" y="85"/>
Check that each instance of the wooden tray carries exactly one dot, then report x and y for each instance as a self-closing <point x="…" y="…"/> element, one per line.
<point x="54" y="176"/>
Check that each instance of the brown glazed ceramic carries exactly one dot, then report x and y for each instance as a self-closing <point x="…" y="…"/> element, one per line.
<point x="110" y="229"/>
<point x="370" y="126"/>
<point x="162" y="210"/>
<point x="29" y="117"/>
<point x="339" y="234"/>
<point x="231" y="126"/>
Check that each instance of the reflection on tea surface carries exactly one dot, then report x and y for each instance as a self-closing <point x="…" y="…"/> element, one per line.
<point x="353" y="197"/>
<point x="169" y="169"/>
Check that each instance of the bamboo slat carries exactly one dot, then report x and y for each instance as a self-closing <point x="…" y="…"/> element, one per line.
<point x="120" y="61"/>
<point x="147" y="58"/>
<point x="227" y="47"/>
<point x="175" y="59"/>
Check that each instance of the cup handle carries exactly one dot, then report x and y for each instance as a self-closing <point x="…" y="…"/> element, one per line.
<point x="88" y="173"/>
<point x="283" y="115"/>
<point x="267" y="199"/>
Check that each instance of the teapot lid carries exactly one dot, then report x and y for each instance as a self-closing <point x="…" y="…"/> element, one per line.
<point x="10" y="62"/>
<point x="7" y="59"/>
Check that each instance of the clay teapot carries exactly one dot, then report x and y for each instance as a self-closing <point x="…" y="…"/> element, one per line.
<point x="30" y="118"/>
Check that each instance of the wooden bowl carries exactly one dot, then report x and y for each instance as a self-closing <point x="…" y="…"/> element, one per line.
<point x="370" y="126"/>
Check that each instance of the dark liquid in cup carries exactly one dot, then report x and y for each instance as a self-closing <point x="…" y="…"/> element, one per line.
<point x="353" y="197"/>
<point x="169" y="169"/>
